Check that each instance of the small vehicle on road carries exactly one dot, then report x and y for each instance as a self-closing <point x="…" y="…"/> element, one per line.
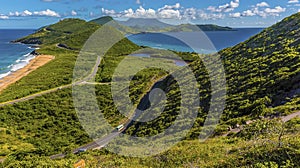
<point x="82" y="150"/>
<point x="120" y="127"/>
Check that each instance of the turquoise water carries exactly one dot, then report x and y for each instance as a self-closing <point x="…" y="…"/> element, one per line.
<point x="13" y="56"/>
<point x="208" y="42"/>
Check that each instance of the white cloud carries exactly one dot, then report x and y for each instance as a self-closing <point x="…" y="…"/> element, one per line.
<point x="209" y="16"/>
<point x="260" y="10"/>
<point x="108" y="12"/>
<point x="176" y="6"/>
<point x="165" y="12"/>
<point x="138" y="2"/>
<point x="243" y="14"/>
<point x="262" y="4"/>
<point x="248" y="13"/>
<point x="4" y="17"/>
<point x="225" y="8"/>
<point x="190" y="13"/>
<point x="193" y="14"/>
<point x="73" y="13"/>
<point x="47" y="12"/>
<point x="139" y="13"/>
<point x="293" y="1"/>
<point x="169" y="14"/>
<point x="235" y="15"/>
<point x="275" y="11"/>
<point x="25" y="13"/>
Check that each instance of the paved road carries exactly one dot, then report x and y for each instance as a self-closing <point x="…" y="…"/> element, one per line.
<point x="98" y="144"/>
<point x="291" y="116"/>
<point x="283" y="118"/>
<point x="93" y="145"/>
<point x="30" y="97"/>
<point x="35" y="95"/>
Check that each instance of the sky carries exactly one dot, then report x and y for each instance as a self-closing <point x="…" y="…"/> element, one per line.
<point x="18" y="14"/>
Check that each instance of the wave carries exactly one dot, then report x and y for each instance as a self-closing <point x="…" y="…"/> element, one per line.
<point x="18" y="64"/>
<point x="4" y="74"/>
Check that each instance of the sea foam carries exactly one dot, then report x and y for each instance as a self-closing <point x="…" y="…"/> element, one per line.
<point x="18" y="64"/>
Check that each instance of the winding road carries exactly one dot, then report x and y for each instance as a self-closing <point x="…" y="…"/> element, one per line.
<point x="283" y="119"/>
<point x="97" y="144"/>
<point x="30" y="97"/>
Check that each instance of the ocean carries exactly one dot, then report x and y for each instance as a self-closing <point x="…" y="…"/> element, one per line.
<point x="13" y="56"/>
<point x="16" y="56"/>
<point x="213" y="42"/>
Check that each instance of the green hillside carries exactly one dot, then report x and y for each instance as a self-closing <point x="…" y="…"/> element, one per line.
<point x="193" y="28"/>
<point x="110" y="21"/>
<point x="262" y="80"/>
<point x="134" y="26"/>
<point x="103" y="20"/>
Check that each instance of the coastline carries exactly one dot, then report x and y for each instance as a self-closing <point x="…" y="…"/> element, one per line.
<point x="35" y="63"/>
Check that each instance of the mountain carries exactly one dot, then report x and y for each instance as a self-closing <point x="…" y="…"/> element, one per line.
<point x="262" y="75"/>
<point x="144" y="22"/>
<point x="109" y="20"/>
<point x="154" y="25"/>
<point x="138" y="25"/>
<point x="193" y="28"/>
<point x="102" y="20"/>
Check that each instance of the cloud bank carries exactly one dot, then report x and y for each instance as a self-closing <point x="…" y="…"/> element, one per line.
<point x="175" y="11"/>
<point x="261" y="9"/>
<point x="225" y="8"/>
<point x="47" y="12"/>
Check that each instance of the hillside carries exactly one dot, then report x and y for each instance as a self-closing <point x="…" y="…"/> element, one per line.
<point x="193" y="28"/>
<point x="122" y="28"/>
<point x="262" y="80"/>
<point x="145" y="24"/>
<point x="138" y="25"/>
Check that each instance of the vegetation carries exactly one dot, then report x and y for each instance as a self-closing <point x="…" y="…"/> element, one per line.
<point x="218" y="152"/>
<point x="138" y="25"/>
<point x="110" y="21"/>
<point x="266" y="83"/>
<point x="193" y="28"/>
<point x="262" y="80"/>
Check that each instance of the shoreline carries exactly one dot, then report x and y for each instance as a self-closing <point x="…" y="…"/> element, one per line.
<point x="34" y="64"/>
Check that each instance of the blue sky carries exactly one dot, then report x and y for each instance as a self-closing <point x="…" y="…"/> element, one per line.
<point x="234" y="13"/>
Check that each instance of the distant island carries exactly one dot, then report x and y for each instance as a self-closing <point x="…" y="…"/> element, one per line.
<point x="144" y="25"/>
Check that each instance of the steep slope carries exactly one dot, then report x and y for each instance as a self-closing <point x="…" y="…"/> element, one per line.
<point x="103" y="20"/>
<point x="70" y="32"/>
<point x="264" y="67"/>
<point x="63" y="40"/>
<point x="48" y="124"/>
<point x="263" y="75"/>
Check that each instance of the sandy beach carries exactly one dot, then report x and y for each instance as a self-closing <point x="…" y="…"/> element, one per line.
<point x="17" y="75"/>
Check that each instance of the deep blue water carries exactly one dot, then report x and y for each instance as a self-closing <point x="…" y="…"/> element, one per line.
<point x="13" y="56"/>
<point x="208" y="42"/>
